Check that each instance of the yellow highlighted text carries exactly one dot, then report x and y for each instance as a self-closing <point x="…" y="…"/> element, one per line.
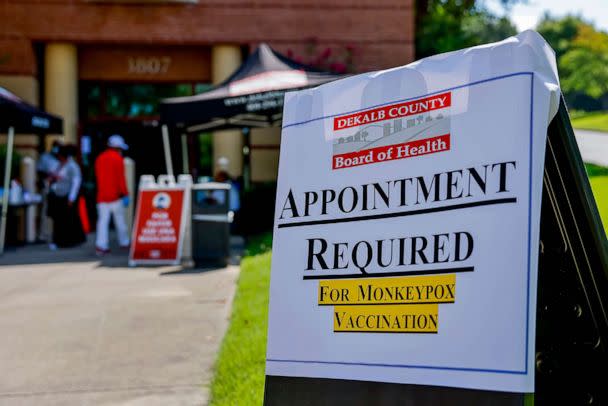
<point x="399" y="290"/>
<point x="421" y="318"/>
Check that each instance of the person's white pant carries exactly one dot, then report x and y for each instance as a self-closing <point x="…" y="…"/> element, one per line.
<point x="104" y="211"/>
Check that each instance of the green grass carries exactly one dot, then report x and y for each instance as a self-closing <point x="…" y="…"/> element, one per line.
<point x="598" y="177"/>
<point x="599" y="184"/>
<point x="591" y="121"/>
<point x="595" y="170"/>
<point x="239" y="374"/>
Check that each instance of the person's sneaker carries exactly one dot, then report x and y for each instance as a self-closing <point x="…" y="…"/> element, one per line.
<point x="100" y="252"/>
<point x="53" y="247"/>
<point x="125" y="247"/>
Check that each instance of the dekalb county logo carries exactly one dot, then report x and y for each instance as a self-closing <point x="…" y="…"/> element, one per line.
<point x="396" y="131"/>
<point x="161" y="201"/>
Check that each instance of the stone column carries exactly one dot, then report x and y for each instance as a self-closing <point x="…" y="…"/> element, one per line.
<point x="61" y="86"/>
<point x="28" y="179"/>
<point x="225" y="59"/>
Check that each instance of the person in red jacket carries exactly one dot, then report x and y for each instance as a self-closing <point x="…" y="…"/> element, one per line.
<point x="112" y="194"/>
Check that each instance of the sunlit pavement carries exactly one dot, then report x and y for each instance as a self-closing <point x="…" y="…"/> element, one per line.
<point x="77" y="330"/>
<point x="593" y="146"/>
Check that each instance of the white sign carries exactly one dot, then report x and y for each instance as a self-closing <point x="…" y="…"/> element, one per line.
<point x="407" y="221"/>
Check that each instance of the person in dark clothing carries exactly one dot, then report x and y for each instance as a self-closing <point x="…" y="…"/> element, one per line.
<point x="46" y="167"/>
<point x="63" y="208"/>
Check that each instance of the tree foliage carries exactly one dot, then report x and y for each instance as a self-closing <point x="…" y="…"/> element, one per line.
<point x="585" y="65"/>
<point x="581" y="50"/>
<point x="560" y="32"/>
<point x="582" y="54"/>
<point x="448" y="25"/>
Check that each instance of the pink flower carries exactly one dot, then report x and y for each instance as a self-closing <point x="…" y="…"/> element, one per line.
<point x="338" y="67"/>
<point x="326" y="53"/>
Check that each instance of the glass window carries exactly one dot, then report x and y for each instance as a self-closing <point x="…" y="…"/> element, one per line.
<point x="124" y="100"/>
<point x="202" y="87"/>
<point x="92" y="99"/>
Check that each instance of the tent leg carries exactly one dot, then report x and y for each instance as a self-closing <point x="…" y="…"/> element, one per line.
<point x="247" y="159"/>
<point x="7" y="179"/>
<point x="185" y="161"/>
<point x="167" y="147"/>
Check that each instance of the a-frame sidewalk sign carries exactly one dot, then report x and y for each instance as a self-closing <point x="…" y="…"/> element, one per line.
<point x="436" y="240"/>
<point x="571" y="321"/>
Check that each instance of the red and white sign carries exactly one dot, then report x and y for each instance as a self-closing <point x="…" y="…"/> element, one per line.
<point x="159" y="226"/>
<point x="391" y="111"/>
<point x="390" y="152"/>
<point x="395" y="131"/>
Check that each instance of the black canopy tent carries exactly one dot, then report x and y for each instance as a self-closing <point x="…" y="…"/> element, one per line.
<point x="251" y="97"/>
<point x="25" y="118"/>
<point x="17" y="116"/>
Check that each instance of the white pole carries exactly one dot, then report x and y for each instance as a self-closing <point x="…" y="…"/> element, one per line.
<point x="185" y="163"/>
<point x="186" y="182"/>
<point x="130" y="177"/>
<point x="7" y="179"/>
<point x="167" y="147"/>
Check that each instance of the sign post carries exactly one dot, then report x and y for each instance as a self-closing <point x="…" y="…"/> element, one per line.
<point x="572" y="322"/>
<point x="407" y="229"/>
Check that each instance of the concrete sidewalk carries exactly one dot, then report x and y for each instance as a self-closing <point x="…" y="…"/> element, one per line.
<point x="593" y="146"/>
<point x="80" y="331"/>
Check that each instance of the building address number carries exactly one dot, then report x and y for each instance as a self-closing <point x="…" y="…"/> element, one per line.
<point x="149" y="65"/>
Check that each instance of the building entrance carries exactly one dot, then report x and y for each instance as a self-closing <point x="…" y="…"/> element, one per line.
<point x="131" y="110"/>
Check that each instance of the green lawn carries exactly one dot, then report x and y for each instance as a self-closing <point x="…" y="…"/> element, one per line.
<point x="239" y="375"/>
<point x="598" y="176"/>
<point x="600" y="190"/>
<point x="591" y="121"/>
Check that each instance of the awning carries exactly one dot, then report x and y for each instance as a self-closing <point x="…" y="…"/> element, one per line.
<point x="25" y="118"/>
<point x="251" y="97"/>
<point x="17" y="116"/>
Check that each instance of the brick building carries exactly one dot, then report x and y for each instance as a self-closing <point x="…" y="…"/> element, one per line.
<point x="104" y="64"/>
